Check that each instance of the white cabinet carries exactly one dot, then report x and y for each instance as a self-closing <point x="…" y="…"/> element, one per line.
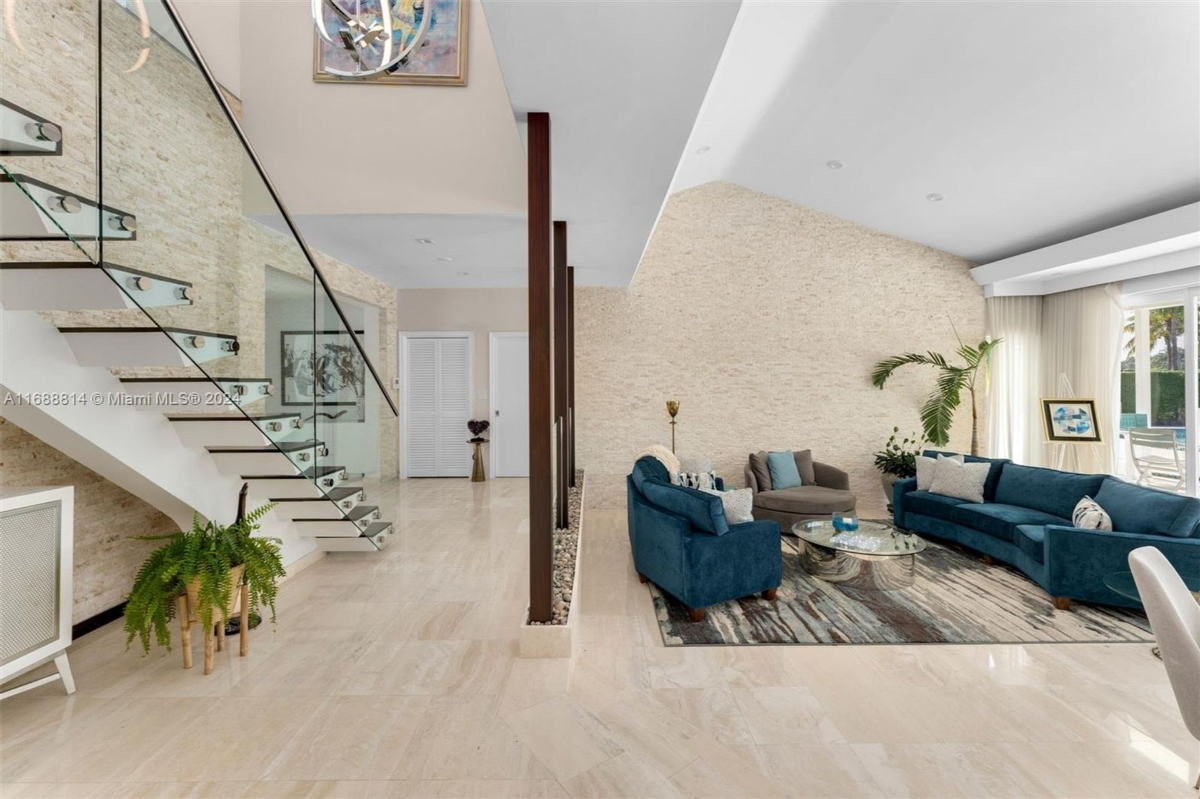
<point x="36" y="547"/>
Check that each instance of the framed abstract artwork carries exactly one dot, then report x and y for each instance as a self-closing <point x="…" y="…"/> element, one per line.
<point x="428" y="37"/>
<point x="324" y="368"/>
<point x="1070" y="421"/>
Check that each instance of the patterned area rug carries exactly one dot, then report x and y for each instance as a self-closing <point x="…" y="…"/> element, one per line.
<point x="956" y="599"/>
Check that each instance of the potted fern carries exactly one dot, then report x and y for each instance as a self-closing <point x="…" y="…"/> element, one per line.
<point x="208" y="564"/>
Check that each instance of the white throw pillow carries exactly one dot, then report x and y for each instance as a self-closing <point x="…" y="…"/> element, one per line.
<point x="738" y="504"/>
<point x="953" y="478"/>
<point x="926" y="467"/>
<point x="1089" y="515"/>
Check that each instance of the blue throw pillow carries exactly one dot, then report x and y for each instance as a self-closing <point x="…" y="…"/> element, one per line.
<point x="784" y="473"/>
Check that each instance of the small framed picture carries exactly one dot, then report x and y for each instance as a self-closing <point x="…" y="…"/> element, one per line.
<point x="1070" y="421"/>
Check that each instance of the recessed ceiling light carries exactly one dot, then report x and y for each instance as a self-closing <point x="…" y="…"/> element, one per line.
<point x="463" y="274"/>
<point x="425" y="241"/>
<point x="935" y="197"/>
<point x="834" y="164"/>
<point x="445" y="258"/>
<point x="703" y="150"/>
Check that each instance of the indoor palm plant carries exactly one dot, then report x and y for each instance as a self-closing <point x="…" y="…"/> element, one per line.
<point x="208" y="563"/>
<point x="937" y="414"/>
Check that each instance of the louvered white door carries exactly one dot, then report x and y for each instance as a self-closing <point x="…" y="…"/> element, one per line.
<point x="438" y="402"/>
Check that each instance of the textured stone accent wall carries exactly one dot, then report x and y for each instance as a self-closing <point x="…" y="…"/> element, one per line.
<point x="171" y="158"/>
<point x="763" y="318"/>
<point x="106" y="519"/>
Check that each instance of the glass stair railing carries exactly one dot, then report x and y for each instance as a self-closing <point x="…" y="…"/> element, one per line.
<point x="134" y="214"/>
<point x="23" y="132"/>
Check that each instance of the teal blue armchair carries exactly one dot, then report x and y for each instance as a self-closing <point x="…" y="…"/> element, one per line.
<point x="682" y="543"/>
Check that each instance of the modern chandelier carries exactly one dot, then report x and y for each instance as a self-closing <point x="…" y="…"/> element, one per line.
<point x="376" y="34"/>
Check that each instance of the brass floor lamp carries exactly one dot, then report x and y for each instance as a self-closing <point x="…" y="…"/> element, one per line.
<point x="673" y="409"/>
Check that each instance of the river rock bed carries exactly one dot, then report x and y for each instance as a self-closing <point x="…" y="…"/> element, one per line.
<point x="566" y="551"/>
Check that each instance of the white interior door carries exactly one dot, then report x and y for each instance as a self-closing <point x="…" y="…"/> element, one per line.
<point x="510" y="404"/>
<point x="437" y="402"/>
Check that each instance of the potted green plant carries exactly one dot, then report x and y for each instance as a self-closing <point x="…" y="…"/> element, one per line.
<point x="897" y="460"/>
<point x="207" y="563"/>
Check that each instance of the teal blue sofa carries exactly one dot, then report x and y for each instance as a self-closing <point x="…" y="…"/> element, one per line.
<point x="682" y="543"/>
<point x="1025" y="521"/>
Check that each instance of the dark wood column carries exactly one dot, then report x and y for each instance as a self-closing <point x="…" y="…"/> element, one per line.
<point x="571" y="374"/>
<point x="541" y="418"/>
<point x="561" y="369"/>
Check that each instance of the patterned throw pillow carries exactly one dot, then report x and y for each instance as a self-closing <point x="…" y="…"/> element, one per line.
<point x="738" y="504"/>
<point x="1089" y="515"/>
<point x="701" y="480"/>
<point x="926" y="467"/>
<point x="959" y="480"/>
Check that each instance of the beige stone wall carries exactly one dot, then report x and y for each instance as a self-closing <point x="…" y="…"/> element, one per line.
<point x="763" y="318"/>
<point x="106" y="519"/>
<point x="171" y="158"/>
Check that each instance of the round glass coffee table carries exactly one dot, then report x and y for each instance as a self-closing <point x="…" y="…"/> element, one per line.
<point x="876" y="556"/>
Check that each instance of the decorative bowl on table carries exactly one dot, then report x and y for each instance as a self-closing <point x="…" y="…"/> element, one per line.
<point x="845" y="522"/>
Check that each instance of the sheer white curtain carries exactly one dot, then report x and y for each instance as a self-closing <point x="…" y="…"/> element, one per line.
<point x="1081" y="339"/>
<point x="1014" y="429"/>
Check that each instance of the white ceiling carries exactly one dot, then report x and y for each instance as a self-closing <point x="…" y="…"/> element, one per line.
<point x="1037" y="122"/>
<point x="489" y="248"/>
<point x="622" y="83"/>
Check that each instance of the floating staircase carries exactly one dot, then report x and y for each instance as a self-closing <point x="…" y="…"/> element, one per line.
<point x="220" y="418"/>
<point x="37" y="211"/>
<point x="234" y="429"/>
<point x="81" y="286"/>
<point x="271" y="458"/>
<point x="113" y="347"/>
<point x="174" y="394"/>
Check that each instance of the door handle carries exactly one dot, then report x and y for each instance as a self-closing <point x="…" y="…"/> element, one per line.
<point x="497" y="413"/>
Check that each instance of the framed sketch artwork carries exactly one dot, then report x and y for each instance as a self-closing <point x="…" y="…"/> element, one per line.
<point x="322" y="369"/>
<point x="1070" y="421"/>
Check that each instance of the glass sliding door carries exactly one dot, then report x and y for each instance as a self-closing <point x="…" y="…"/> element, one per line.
<point x="1159" y="396"/>
<point x="1191" y="388"/>
<point x="1133" y="412"/>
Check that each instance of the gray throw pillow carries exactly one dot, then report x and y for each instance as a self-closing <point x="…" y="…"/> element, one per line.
<point x="953" y="478"/>
<point x="804" y="465"/>
<point x="926" y="467"/>
<point x="762" y="474"/>
<point x="738" y="504"/>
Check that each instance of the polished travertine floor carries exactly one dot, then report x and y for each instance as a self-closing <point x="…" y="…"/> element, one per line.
<point x="395" y="675"/>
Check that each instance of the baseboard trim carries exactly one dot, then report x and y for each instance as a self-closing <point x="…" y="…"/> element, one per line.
<point x="96" y="622"/>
